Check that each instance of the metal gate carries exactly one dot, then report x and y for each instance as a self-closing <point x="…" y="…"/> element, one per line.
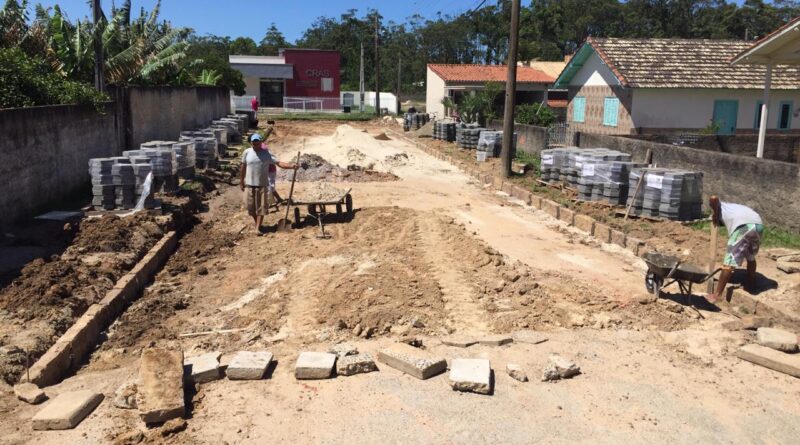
<point x="558" y="134"/>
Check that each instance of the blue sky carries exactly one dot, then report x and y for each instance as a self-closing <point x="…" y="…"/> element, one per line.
<point x="251" y="18"/>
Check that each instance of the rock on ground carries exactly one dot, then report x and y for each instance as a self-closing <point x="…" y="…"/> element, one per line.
<point x="772" y="359"/>
<point x="777" y="339"/>
<point x="516" y="372"/>
<point x="559" y="368"/>
<point x="496" y="340"/>
<point x="788" y="266"/>
<point x="343" y="349"/>
<point x="29" y="393"/>
<point x="160" y="396"/>
<point x="314" y="365"/>
<point x="412" y="361"/>
<point x="67" y="410"/>
<point x="355" y="364"/>
<point x="204" y="368"/>
<point x="246" y="365"/>
<point x="527" y="336"/>
<point x="471" y="375"/>
<point x="125" y="396"/>
<point x="459" y="341"/>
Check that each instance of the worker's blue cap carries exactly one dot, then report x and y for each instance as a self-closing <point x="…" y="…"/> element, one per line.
<point x="255" y="137"/>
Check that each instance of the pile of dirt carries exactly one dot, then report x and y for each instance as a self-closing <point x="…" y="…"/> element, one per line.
<point x="47" y="297"/>
<point x="315" y="168"/>
<point x="382" y="137"/>
<point x="321" y="192"/>
<point x="397" y="160"/>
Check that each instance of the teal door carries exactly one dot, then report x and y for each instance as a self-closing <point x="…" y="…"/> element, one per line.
<point x="725" y="112"/>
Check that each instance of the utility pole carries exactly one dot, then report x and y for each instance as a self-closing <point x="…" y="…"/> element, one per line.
<point x="361" y="80"/>
<point x="377" y="69"/>
<point x="511" y="89"/>
<point x="399" y="63"/>
<point x="99" y="76"/>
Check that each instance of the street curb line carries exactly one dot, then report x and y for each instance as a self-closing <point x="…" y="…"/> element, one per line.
<point x="81" y="338"/>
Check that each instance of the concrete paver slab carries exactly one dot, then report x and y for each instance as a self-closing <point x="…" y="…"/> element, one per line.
<point x="67" y="410"/>
<point x="772" y="359"/>
<point x="528" y="336"/>
<point x="29" y="393"/>
<point x="777" y="339"/>
<point x="160" y="392"/>
<point x="412" y="361"/>
<point x="246" y="365"/>
<point x="203" y="368"/>
<point x="314" y="365"/>
<point x="471" y="375"/>
<point x="355" y="364"/>
<point x="496" y="340"/>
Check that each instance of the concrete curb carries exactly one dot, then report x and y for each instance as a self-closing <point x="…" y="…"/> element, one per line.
<point x="81" y="338"/>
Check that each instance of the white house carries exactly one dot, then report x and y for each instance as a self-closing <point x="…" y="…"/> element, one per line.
<point x="448" y="80"/>
<point x="638" y="86"/>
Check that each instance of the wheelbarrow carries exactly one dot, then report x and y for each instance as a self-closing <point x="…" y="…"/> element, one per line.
<point x="664" y="270"/>
<point x="319" y="209"/>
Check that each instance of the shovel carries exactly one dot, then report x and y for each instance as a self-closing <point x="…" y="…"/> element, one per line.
<point x="284" y="225"/>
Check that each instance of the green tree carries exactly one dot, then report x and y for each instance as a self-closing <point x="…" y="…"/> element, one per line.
<point x="244" y="46"/>
<point x="273" y="41"/>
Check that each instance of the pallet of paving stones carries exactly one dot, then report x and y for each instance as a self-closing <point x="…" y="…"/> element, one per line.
<point x="445" y="131"/>
<point x="467" y="137"/>
<point x="669" y="193"/>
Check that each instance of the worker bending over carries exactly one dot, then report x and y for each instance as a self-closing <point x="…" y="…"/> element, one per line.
<point x="745" y="229"/>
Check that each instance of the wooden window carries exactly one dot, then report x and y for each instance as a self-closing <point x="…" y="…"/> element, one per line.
<point x="610" y="111"/>
<point x="785" y="115"/>
<point x="579" y="109"/>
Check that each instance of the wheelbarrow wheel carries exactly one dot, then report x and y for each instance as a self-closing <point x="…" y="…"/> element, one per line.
<point x="296" y="217"/>
<point x="348" y="204"/>
<point x="653" y="283"/>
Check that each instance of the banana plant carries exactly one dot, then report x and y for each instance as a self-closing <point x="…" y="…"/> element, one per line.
<point x="209" y="77"/>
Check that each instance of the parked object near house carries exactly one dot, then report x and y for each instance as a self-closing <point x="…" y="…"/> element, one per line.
<point x="630" y="86"/>
<point x="446" y="80"/>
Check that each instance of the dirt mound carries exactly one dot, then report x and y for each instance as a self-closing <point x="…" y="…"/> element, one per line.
<point x="52" y="294"/>
<point x="382" y="137"/>
<point x="321" y="192"/>
<point x="396" y="160"/>
<point x="315" y="168"/>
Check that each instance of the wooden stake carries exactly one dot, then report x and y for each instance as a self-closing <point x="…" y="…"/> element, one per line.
<point x="712" y="252"/>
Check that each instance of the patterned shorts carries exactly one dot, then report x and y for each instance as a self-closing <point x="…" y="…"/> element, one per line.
<point x="743" y="244"/>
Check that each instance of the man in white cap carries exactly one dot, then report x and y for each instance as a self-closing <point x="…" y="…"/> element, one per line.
<point x="254" y="179"/>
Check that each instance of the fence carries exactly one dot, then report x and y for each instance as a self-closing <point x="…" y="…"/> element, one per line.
<point x="242" y="102"/>
<point x="558" y="134"/>
<point x="311" y="104"/>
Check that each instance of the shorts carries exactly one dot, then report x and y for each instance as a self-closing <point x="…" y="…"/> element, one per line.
<point x="743" y="244"/>
<point x="256" y="200"/>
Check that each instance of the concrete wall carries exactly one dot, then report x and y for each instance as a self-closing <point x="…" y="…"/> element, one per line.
<point x="45" y="151"/>
<point x="161" y="113"/>
<point x="770" y="187"/>
<point x="778" y="147"/>
<point x="434" y="93"/>
<point x="530" y="139"/>
<point x="694" y="108"/>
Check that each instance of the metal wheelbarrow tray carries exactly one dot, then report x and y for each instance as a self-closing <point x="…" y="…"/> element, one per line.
<point x="664" y="270"/>
<point x="318" y="209"/>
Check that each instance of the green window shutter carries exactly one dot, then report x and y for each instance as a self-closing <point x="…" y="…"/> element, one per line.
<point x="578" y="109"/>
<point x="610" y="111"/>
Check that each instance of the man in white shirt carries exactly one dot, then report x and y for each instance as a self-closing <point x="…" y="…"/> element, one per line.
<point x="254" y="179"/>
<point x="745" y="229"/>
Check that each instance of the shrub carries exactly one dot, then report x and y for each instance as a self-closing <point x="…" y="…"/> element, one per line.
<point x="26" y="82"/>
<point x="534" y="114"/>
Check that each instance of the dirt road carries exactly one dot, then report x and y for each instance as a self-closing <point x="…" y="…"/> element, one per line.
<point x="429" y="254"/>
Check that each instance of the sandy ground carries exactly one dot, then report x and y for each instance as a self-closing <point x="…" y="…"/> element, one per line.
<point x="436" y="249"/>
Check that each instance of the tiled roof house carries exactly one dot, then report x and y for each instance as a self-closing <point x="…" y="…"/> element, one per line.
<point x="623" y="86"/>
<point x="453" y="80"/>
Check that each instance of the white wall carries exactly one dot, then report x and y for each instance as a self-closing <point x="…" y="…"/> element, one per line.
<point x="594" y="72"/>
<point x="434" y="93"/>
<point x="388" y="100"/>
<point x="252" y="87"/>
<point x="694" y="108"/>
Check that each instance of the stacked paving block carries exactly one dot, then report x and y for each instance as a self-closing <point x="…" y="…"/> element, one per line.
<point x="231" y="128"/>
<point x="444" y="130"/>
<point x="185" y="157"/>
<point x="205" y="147"/>
<point x="164" y="167"/>
<point x="667" y="193"/>
<point x="103" y="193"/>
<point x="490" y="142"/>
<point x="467" y="136"/>
<point x="124" y="183"/>
<point x="414" y="121"/>
<point x="221" y="135"/>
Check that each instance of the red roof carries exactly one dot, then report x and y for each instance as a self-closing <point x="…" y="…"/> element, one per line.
<point x="488" y="73"/>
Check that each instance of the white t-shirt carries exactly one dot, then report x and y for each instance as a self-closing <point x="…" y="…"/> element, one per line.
<point x="735" y="215"/>
<point x="257" y="162"/>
